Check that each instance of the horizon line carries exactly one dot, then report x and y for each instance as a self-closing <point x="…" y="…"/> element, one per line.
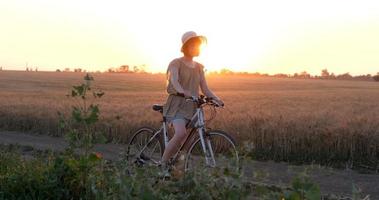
<point x="227" y="71"/>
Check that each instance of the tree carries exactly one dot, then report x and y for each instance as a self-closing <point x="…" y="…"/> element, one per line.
<point x="226" y="71"/>
<point x="376" y="77"/>
<point x="325" y="74"/>
<point x="281" y="75"/>
<point x="78" y="70"/>
<point x="304" y="74"/>
<point x="123" y="68"/>
<point x="345" y="76"/>
<point x="139" y="69"/>
<point x="110" y="70"/>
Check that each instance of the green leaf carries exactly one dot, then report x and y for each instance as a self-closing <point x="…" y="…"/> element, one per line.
<point x="234" y="194"/>
<point x="74" y="93"/>
<point x="226" y="172"/>
<point x="76" y="114"/>
<point x="296" y="184"/>
<point x="98" y="94"/>
<point x="72" y="138"/>
<point x="313" y="193"/>
<point x="100" y="138"/>
<point x="294" y="196"/>
<point x="61" y="124"/>
<point x="93" y="157"/>
<point x="78" y="89"/>
<point x="146" y="193"/>
<point x="94" y="114"/>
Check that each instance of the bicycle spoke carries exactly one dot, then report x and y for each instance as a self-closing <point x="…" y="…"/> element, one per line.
<point x="142" y="142"/>
<point x="143" y="148"/>
<point x="155" y="146"/>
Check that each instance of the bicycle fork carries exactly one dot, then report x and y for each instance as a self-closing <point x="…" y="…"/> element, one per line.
<point x="207" y="149"/>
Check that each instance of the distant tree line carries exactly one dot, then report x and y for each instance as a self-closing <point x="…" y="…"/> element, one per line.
<point x="121" y="69"/>
<point x="128" y="69"/>
<point x="29" y="69"/>
<point x="325" y="74"/>
<point x="79" y="70"/>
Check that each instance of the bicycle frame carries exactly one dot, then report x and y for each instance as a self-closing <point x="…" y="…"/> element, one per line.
<point x="197" y="123"/>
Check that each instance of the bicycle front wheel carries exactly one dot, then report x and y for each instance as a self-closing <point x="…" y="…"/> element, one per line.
<point x="221" y="152"/>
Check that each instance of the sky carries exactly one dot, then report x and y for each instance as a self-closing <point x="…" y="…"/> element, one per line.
<point x="254" y="36"/>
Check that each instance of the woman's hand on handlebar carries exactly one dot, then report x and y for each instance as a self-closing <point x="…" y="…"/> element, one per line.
<point x="218" y="102"/>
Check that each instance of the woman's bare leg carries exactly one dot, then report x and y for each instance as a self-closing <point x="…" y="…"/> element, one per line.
<point x="178" y="138"/>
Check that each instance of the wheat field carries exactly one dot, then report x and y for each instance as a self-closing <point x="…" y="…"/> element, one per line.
<point x="284" y="119"/>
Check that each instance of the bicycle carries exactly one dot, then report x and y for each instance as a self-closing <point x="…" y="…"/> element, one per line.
<point x="209" y="149"/>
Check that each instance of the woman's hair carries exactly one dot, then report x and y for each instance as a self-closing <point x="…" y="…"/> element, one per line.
<point x="191" y="41"/>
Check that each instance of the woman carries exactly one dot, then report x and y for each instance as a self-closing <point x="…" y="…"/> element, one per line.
<point x="185" y="76"/>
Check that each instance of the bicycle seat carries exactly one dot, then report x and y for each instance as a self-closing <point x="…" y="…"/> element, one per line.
<point x="157" y="107"/>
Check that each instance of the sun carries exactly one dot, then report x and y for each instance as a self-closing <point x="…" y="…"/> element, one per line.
<point x="217" y="56"/>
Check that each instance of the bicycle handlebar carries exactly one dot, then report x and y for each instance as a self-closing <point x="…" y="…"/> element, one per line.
<point x="202" y="100"/>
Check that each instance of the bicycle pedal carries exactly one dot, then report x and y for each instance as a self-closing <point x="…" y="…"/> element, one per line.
<point x="140" y="162"/>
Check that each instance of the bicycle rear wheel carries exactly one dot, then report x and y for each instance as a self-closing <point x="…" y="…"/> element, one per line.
<point x="143" y="148"/>
<point x="218" y="143"/>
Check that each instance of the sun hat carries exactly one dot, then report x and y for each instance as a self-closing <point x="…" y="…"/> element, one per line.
<point x="191" y="34"/>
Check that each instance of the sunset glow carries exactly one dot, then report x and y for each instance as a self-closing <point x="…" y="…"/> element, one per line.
<point x="264" y="36"/>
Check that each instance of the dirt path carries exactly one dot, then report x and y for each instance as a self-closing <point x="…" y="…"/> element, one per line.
<point x="331" y="181"/>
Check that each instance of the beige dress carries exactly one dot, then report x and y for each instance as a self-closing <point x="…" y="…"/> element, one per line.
<point x="189" y="79"/>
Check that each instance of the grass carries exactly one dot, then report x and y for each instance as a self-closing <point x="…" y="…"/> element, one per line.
<point x="68" y="176"/>
<point x="64" y="175"/>
<point x="302" y="121"/>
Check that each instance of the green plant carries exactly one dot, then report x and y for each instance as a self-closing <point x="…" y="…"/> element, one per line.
<point x="81" y="130"/>
<point x="302" y="188"/>
<point x="84" y="115"/>
<point x="61" y="176"/>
